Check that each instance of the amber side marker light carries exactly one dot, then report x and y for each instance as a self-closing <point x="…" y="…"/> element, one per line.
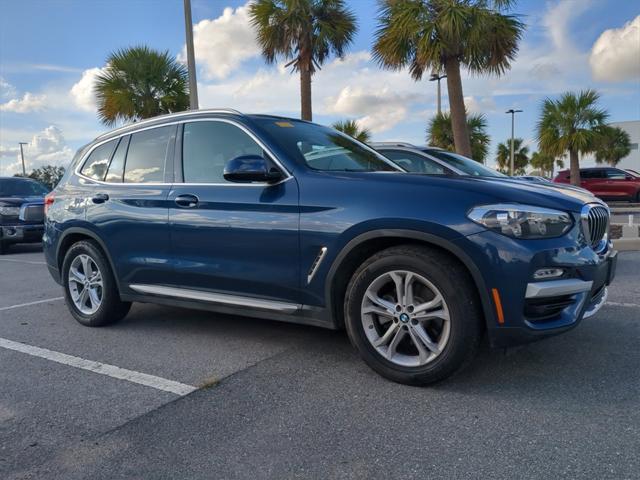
<point x="496" y="300"/>
<point x="48" y="201"/>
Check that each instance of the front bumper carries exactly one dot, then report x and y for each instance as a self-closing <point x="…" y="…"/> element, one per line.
<point x="21" y="233"/>
<point x="535" y="309"/>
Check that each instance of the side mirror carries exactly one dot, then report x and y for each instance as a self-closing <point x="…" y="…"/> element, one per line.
<point x="250" y="168"/>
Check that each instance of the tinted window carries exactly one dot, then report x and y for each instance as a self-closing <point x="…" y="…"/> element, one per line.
<point x="116" y="167"/>
<point x="415" y="163"/>
<point x="208" y="146"/>
<point x="464" y="164"/>
<point x="96" y="165"/>
<point x="591" y="174"/>
<point x="615" y="174"/>
<point x="17" y="187"/>
<point x="323" y="148"/>
<point x="146" y="155"/>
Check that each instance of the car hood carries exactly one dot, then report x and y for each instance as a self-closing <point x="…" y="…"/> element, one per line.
<point x="17" y="201"/>
<point x="483" y="190"/>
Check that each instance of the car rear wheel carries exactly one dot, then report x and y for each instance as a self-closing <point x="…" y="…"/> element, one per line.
<point x="90" y="289"/>
<point x="4" y="248"/>
<point x="413" y="314"/>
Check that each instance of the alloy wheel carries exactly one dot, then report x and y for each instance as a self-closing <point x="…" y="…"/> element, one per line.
<point x="85" y="284"/>
<point x="405" y="318"/>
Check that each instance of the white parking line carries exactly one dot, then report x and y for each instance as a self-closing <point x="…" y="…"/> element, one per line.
<point x="618" y="304"/>
<point x="32" y="262"/>
<point x="152" y="381"/>
<point x="46" y="300"/>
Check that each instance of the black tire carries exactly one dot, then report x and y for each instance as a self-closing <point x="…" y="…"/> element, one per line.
<point x="4" y="248"/>
<point x="456" y="287"/>
<point x="111" y="308"/>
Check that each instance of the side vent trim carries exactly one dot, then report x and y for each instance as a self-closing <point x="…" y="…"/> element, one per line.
<point x="316" y="264"/>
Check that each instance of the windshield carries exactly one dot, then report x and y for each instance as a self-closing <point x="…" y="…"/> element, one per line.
<point x="323" y="148"/>
<point x="16" y="187"/>
<point x="466" y="165"/>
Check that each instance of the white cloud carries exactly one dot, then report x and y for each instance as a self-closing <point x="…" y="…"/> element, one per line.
<point x="28" y="103"/>
<point x="615" y="55"/>
<point x="7" y="90"/>
<point x="47" y="147"/>
<point x="82" y="91"/>
<point x="480" y="104"/>
<point x="222" y="44"/>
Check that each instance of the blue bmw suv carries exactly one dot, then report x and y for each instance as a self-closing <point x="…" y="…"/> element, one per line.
<point x="287" y="220"/>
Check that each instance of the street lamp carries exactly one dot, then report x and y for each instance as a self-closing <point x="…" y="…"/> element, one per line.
<point x="513" y="115"/>
<point x="435" y="76"/>
<point x="191" y="60"/>
<point x="24" y="170"/>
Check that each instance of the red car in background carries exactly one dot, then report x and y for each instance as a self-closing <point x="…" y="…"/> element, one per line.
<point x="606" y="182"/>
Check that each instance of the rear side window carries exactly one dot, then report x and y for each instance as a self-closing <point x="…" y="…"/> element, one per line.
<point x="95" y="166"/>
<point x="208" y="146"/>
<point x="591" y="174"/>
<point x="414" y="163"/>
<point x="116" y="167"/>
<point x="146" y="155"/>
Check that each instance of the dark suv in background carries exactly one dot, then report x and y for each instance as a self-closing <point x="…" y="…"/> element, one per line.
<point x="283" y="219"/>
<point x="21" y="211"/>
<point x="606" y="182"/>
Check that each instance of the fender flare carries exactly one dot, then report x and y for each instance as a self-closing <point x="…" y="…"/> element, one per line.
<point x="435" y="240"/>
<point x="93" y="236"/>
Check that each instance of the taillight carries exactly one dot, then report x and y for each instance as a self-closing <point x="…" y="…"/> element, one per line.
<point x="48" y="201"/>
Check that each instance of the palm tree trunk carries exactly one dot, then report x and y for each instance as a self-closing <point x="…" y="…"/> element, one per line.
<point x="574" y="166"/>
<point x="305" y="90"/>
<point x="456" y="105"/>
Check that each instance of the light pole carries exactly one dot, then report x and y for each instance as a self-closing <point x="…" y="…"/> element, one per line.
<point x="437" y="77"/>
<point x="513" y="116"/>
<point x="191" y="60"/>
<point x="24" y="170"/>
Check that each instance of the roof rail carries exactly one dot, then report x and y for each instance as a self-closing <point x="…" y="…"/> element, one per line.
<point x="171" y="115"/>
<point x="394" y="144"/>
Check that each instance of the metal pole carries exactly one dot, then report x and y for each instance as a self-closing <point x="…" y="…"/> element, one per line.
<point x="439" y="99"/>
<point x="437" y="77"/>
<point x="191" y="60"/>
<point x="513" y="116"/>
<point x="24" y="170"/>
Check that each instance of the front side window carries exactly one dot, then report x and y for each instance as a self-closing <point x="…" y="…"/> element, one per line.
<point x="615" y="174"/>
<point x="322" y="148"/>
<point x="208" y="146"/>
<point x="95" y="166"/>
<point x="464" y="164"/>
<point x="146" y="155"/>
<point x="412" y="162"/>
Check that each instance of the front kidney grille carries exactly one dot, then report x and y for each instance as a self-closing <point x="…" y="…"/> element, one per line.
<point x="596" y="225"/>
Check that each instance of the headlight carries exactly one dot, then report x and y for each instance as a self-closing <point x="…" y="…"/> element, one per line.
<point x="522" y="221"/>
<point x="10" y="211"/>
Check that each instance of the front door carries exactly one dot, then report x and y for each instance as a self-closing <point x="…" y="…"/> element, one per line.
<point x="238" y="239"/>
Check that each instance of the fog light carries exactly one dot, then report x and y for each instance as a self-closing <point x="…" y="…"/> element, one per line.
<point x="545" y="273"/>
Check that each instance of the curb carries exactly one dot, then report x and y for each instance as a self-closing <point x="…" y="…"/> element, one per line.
<point x="626" y="244"/>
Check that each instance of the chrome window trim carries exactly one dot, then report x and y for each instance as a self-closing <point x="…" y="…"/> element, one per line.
<point x="274" y="158"/>
<point x="218" y="298"/>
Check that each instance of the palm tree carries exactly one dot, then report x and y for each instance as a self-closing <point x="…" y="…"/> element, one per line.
<point x="443" y="36"/>
<point x="612" y="145"/>
<point x="138" y="83"/>
<point x="351" y="128"/>
<point x="520" y="156"/>
<point x="305" y="32"/>
<point x="440" y="134"/>
<point x="571" y="124"/>
<point x="545" y="163"/>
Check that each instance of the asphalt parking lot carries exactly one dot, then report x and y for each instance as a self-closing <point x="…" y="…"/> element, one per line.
<point x="210" y="396"/>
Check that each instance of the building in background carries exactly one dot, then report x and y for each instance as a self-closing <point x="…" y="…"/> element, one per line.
<point x="632" y="160"/>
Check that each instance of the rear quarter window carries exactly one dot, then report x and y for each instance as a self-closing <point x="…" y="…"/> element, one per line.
<point x="95" y="166"/>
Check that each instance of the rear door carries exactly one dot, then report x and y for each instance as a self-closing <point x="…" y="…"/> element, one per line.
<point x="238" y="239"/>
<point x="593" y="180"/>
<point x="127" y="202"/>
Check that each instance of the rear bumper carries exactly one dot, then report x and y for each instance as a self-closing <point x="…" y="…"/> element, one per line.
<point x="21" y="233"/>
<point x="538" y="309"/>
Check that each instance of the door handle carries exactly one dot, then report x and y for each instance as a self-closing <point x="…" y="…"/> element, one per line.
<point x="186" y="201"/>
<point x="100" y="198"/>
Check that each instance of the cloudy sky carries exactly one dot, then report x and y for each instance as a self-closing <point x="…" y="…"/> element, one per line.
<point x="50" y="52"/>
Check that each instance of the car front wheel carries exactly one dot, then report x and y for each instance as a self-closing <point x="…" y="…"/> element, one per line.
<point x="90" y="289"/>
<point x="413" y="314"/>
